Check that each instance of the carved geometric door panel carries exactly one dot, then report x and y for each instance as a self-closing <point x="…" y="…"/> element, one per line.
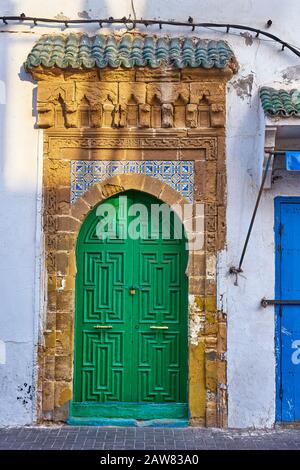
<point x="131" y="307"/>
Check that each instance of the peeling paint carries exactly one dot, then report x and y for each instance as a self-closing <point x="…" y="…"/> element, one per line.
<point x="291" y="73"/>
<point x="25" y="394"/>
<point x="248" y="38"/>
<point x="243" y="86"/>
<point x="84" y="14"/>
<point x="196" y="322"/>
<point x="210" y="396"/>
<point x="211" y="267"/>
<point x="61" y="16"/>
<point x="223" y="356"/>
<point x="222" y="386"/>
<point x="63" y="284"/>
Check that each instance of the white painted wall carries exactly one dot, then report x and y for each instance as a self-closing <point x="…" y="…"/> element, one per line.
<point x="251" y="361"/>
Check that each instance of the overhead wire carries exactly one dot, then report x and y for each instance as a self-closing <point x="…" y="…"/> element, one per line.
<point x="160" y="23"/>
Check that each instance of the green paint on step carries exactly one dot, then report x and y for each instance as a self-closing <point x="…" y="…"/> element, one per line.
<point x="138" y="411"/>
<point x="153" y="423"/>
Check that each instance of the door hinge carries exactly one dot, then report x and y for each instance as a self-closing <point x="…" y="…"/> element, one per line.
<point x="280" y="229"/>
<point x="280" y="393"/>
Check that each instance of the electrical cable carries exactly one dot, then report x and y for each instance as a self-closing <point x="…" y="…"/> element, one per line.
<point x="127" y="21"/>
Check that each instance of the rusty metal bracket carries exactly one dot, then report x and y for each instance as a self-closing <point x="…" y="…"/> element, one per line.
<point x="237" y="270"/>
<point x="267" y="302"/>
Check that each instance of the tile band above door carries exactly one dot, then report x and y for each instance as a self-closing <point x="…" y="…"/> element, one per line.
<point x="178" y="175"/>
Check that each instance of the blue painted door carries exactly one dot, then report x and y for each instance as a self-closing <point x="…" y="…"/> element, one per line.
<point x="288" y="316"/>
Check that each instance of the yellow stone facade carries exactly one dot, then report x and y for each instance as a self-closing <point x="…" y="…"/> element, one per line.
<point x="137" y="114"/>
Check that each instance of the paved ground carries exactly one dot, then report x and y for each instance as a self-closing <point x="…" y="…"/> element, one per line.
<point x="86" y="438"/>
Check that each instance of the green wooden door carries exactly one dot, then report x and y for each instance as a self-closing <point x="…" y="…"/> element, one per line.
<point x="131" y="315"/>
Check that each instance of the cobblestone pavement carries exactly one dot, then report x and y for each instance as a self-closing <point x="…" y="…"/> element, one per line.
<point x="111" y="438"/>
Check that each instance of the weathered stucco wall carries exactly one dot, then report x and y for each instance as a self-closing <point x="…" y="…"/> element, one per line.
<point x="251" y="360"/>
<point x="18" y="209"/>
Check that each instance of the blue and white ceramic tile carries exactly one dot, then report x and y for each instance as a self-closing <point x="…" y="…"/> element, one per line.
<point x="178" y="175"/>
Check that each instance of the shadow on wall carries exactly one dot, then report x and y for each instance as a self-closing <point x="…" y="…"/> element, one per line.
<point x="17" y="233"/>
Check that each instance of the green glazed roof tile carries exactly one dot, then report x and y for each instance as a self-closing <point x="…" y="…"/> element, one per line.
<point x="280" y="102"/>
<point x="75" y="51"/>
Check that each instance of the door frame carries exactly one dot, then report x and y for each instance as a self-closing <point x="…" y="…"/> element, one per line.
<point x="207" y="343"/>
<point x="128" y="413"/>
<point x="278" y="346"/>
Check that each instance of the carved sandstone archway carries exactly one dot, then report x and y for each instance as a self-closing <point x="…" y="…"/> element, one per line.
<point x="95" y="113"/>
<point x="68" y="226"/>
